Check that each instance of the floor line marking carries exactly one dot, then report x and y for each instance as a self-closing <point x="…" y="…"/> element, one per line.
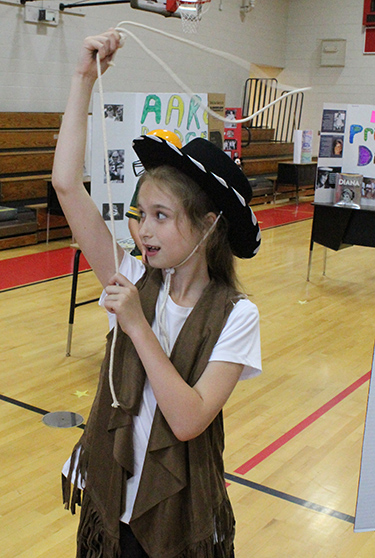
<point x="59" y="261"/>
<point x="28" y="407"/>
<point x="290" y="498"/>
<point x="41" y="281"/>
<point x="31" y="268"/>
<point x="269" y="450"/>
<point x="228" y="476"/>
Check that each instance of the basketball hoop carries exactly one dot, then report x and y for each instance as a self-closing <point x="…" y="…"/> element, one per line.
<point x="191" y="13"/>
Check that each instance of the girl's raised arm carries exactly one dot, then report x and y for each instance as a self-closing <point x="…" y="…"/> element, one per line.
<point x="85" y="221"/>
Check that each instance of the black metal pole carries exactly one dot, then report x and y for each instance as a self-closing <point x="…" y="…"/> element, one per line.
<point x="84" y="4"/>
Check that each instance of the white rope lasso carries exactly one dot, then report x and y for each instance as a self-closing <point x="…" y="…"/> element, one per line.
<point x="115" y="402"/>
<point x="167" y="285"/>
<point x="235" y="59"/>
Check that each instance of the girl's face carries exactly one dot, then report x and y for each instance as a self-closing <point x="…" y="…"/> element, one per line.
<point x="165" y="230"/>
<point x="338" y="148"/>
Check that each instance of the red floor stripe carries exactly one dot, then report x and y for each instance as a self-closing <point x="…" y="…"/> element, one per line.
<point x="284" y="215"/>
<point x="32" y="268"/>
<point x="25" y="270"/>
<point x="269" y="450"/>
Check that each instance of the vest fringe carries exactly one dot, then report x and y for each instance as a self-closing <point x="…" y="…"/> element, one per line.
<point x="70" y="491"/>
<point x="205" y="549"/>
<point x="92" y="539"/>
<point x="224" y="530"/>
<point x="219" y="544"/>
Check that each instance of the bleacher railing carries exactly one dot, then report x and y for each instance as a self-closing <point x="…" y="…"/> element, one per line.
<point x="284" y="117"/>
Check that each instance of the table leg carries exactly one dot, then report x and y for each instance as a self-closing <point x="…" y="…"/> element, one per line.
<point x="324" y="260"/>
<point x="73" y="300"/>
<point x="310" y="259"/>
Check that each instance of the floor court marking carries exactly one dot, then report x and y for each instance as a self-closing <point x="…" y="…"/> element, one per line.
<point x="39" y="282"/>
<point x="42" y="281"/>
<point x="269" y="450"/>
<point x="29" y="407"/>
<point x="228" y="476"/>
<point x="290" y="498"/>
<point x="243" y="469"/>
<point x="39" y="267"/>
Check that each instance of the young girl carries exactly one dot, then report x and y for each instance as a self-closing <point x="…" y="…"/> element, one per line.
<point x="150" y="459"/>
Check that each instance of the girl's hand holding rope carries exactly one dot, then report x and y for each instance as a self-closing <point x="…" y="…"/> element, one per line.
<point x="105" y="45"/>
<point x="123" y="300"/>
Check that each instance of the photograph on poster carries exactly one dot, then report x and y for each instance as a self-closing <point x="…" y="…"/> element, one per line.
<point x="230" y="145"/>
<point x="348" y="190"/>
<point x="331" y="146"/>
<point x="230" y="114"/>
<point x="114" y="112"/>
<point x="232" y="133"/>
<point x="368" y="191"/>
<point x="326" y="177"/>
<point x="333" y="120"/>
<point x="337" y="147"/>
<point x="118" y="212"/>
<point x="116" y="158"/>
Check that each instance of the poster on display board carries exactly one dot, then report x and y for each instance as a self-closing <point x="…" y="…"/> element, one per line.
<point x="127" y="116"/>
<point x="232" y="133"/>
<point x="347" y="145"/>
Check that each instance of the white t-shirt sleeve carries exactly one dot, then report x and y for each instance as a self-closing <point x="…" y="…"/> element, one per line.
<point x="239" y="341"/>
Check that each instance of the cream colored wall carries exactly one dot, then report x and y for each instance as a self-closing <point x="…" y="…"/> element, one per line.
<point x="36" y="61"/>
<point x="310" y="21"/>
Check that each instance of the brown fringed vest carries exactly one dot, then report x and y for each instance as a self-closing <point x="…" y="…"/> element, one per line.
<point x="182" y="508"/>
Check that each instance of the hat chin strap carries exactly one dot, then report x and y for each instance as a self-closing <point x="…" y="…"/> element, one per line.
<point x="164" y="339"/>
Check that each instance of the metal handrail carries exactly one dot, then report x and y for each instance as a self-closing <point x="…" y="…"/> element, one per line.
<point x="258" y="93"/>
<point x="289" y="116"/>
<point x="284" y="117"/>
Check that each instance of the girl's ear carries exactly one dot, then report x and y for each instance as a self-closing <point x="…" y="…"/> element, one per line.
<point x="210" y="218"/>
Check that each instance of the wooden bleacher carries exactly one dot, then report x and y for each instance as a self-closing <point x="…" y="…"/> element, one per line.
<point x="27" y="146"/>
<point x="261" y="156"/>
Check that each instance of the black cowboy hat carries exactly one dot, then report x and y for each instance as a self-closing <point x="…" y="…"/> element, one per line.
<point x="221" y="179"/>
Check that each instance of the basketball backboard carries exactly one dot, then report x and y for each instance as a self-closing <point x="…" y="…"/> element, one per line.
<point x="190" y="11"/>
<point x="157" y="6"/>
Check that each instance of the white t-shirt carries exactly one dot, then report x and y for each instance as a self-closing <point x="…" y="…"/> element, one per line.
<point x="239" y="343"/>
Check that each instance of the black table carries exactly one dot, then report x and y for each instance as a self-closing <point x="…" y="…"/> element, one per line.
<point x="296" y="175"/>
<point x="337" y="227"/>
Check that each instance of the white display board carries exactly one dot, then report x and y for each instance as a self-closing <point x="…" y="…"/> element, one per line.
<point x="365" y="513"/>
<point x="347" y="145"/>
<point x="127" y="116"/>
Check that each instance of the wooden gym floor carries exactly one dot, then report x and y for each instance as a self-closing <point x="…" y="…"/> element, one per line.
<point x="293" y="435"/>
